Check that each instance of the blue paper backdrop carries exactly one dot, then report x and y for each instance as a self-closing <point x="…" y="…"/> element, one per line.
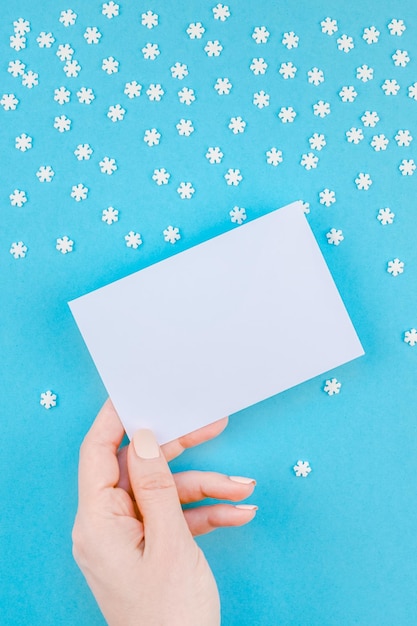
<point x="338" y="547"/>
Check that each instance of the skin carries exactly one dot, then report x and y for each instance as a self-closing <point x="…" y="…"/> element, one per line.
<point x="131" y="538"/>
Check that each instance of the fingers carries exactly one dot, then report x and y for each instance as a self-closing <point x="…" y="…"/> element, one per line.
<point x="204" y="519"/>
<point x="98" y="466"/>
<point x="194" y="486"/>
<point x="174" y="448"/>
<point x="155" y="492"/>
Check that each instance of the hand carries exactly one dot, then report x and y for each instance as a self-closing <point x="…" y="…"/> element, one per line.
<point x="137" y="553"/>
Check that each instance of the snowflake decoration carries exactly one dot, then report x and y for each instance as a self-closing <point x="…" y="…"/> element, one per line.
<point x="345" y="43"/>
<point x="149" y="19"/>
<point x="233" y="177"/>
<point x="45" y="174"/>
<point x="92" y="35"/>
<point x="108" y="166"/>
<point x="68" y="17"/>
<point x="412" y="91"/>
<point x="85" y="95"/>
<point x="290" y="40"/>
<point x="21" y="26"/>
<point x="403" y="138"/>
<point x="171" y="234"/>
<point x="260" y="34"/>
<point x="185" y="191"/>
<point x="64" y="52"/>
<point x="133" y="240"/>
<point x="62" y="123"/>
<point x="237" y="125"/>
<point x="348" y="94"/>
<point x="371" y="35"/>
<point x="401" y="58"/>
<point x="221" y="12"/>
<point x="287" y="70"/>
<point x="186" y="95"/>
<point x="18" y="250"/>
<point x="332" y="387"/>
<point x="306" y="207"/>
<point x="196" y="30"/>
<point x="23" y="142"/>
<point x="213" y="48"/>
<point x="110" y="215"/>
<point x="9" y="101"/>
<point x="48" y="399"/>
<point x="214" y="155"/>
<point x="364" y="73"/>
<point x="155" y="92"/>
<point x="315" y="76"/>
<point x="179" y="71"/>
<point x="407" y="167"/>
<point x="161" y="176"/>
<point x="72" y="68"/>
<point x="17" y="42"/>
<point x="302" y="468"/>
<point x="329" y="26"/>
<point x="185" y="127"/>
<point x="237" y="215"/>
<point x="79" y="192"/>
<point x="258" y="66"/>
<point x="390" y="87"/>
<point x="370" y="119"/>
<point x="385" y="216"/>
<point x="363" y="181"/>
<point x="151" y="51"/>
<point x="110" y="65"/>
<point x="334" y="237"/>
<point x="327" y="197"/>
<point x="16" y="68"/>
<point x="261" y="99"/>
<point x="45" y="40"/>
<point x="321" y="109"/>
<point x="317" y="141"/>
<point x="379" y="142"/>
<point x="274" y="157"/>
<point x="410" y="337"/>
<point x="309" y="161"/>
<point x="62" y="95"/>
<point x="116" y="113"/>
<point x="396" y="27"/>
<point x="30" y="79"/>
<point x="223" y="86"/>
<point x="395" y="267"/>
<point x="18" y="198"/>
<point x="110" y="9"/>
<point x="83" y="152"/>
<point x="132" y="89"/>
<point x="152" y="137"/>
<point x="287" y="115"/>
<point x="64" y="244"/>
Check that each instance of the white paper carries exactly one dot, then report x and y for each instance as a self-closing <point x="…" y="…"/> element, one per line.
<point x="218" y="327"/>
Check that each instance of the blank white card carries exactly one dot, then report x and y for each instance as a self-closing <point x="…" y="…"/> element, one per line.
<point x="218" y="327"/>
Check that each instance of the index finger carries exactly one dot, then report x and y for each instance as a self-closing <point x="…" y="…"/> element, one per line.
<point x="98" y="465"/>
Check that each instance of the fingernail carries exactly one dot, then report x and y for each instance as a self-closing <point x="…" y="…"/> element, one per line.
<point x="242" y="479"/>
<point x="145" y="444"/>
<point x="248" y="507"/>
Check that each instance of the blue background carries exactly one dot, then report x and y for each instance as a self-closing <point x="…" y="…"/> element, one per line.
<point x="339" y="547"/>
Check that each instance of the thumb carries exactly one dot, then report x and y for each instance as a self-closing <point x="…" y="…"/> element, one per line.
<point x="154" y="489"/>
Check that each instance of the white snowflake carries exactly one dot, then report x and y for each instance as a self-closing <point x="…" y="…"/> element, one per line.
<point x="364" y="73"/>
<point x="185" y="127"/>
<point x="379" y="142"/>
<point x="332" y="387"/>
<point x="48" y="399"/>
<point x="287" y="70"/>
<point x="18" y="250"/>
<point x="345" y="43"/>
<point x="30" y="79"/>
<point x="258" y="66"/>
<point x="110" y="65"/>
<point x="16" y="68"/>
<point x="150" y="51"/>
<point x="213" y="48"/>
<point x="45" y="174"/>
<point x="79" y="192"/>
<point x="396" y="27"/>
<point x="260" y="34"/>
<point x="403" y="138"/>
<point x="237" y="125"/>
<point x="110" y="215"/>
<point x="395" y="267"/>
<point x="321" y="108"/>
<point x="354" y="135"/>
<point x="155" y="92"/>
<point x="221" y="12"/>
<point x="223" y="86"/>
<point x="214" y="155"/>
<point x="108" y="166"/>
<point x="68" y="17"/>
<point x="390" y="87"/>
<point x="110" y="9"/>
<point x="23" y="142"/>
<point x="9" y="101"/>
<point x="85" y="95"/>
<point x="171" y="234"/>
<point x="83" y="151"/>
<point x="371" y="35"/>
<point x="196" y="30"/>
<point x="161" y="176"/>
<point x="290" y="40"/>
<point x="370" y="119"/>
<point x="179" y="70"/>
<point x="45" y="40"/>
<point x="412" y="91"/>
<point x="274" y="157"/>
<point x="62" y="95"/>
<point x="18" y="198"/>
<point x="186" y="95"/>
<point x="152" y="137"/>
<point x="287" y="115"/>
<point x="64" y="244"/>
<point x="407" y="167"/>
<point x="401" y="58"/>
<point x="317" y="141"/>
<point x="21" y="26"/>
<point x="132" y="89"/>
<point x="306" y="207"/>
<point x="72" y="68"/>
<point x="334" y="237"/>
<point x="64" y="52"/>
<point x="309" y="161"/>
<point x="302" y="469"/>
<point x="327" y="197"/>
<point x="233" y="177"/>
<point x="133" y="240"/>
<point x="315" y="76"/>
<point x="237" y="215"/>
<point x="116" y="113"/>
<point x="385" y="216"/>
<point x="17" y="42"/>
<point x="348" y="94"/>
<point x="92" y="35"/>
<point x="185" y="191"/>
<point x="329" y="26"/>
<point x="150" y="19"/>
<point x="363" y="181"/>
<point x="261" y="99"/>
<point x="410" y="337"/>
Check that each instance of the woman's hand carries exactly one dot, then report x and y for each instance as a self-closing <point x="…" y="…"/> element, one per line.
<point x="131" y="538"/>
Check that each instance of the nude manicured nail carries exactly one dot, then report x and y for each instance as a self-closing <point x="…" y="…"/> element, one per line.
<point x="242" y="479"/>
<point x="248" y="507"/>
<point x="145" y="444"/>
